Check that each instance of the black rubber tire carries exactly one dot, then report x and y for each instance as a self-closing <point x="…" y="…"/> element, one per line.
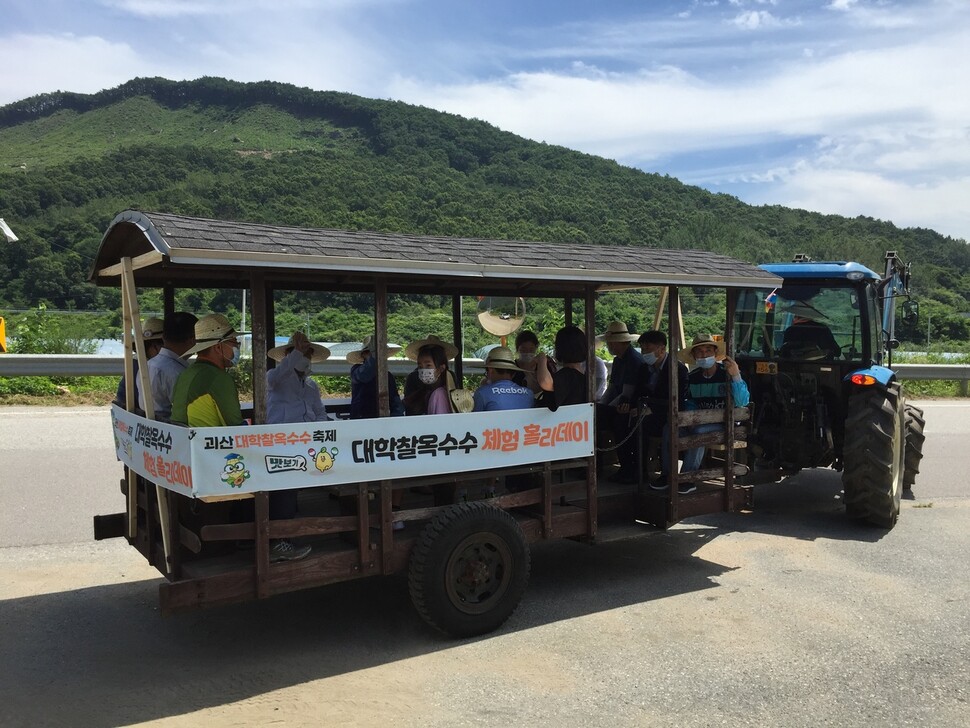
<point x="915" y="423"/>
<point x="469" y="569"/>
<point x="874" y="455"/>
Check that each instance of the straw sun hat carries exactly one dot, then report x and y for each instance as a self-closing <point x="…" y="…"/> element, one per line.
<point x="501" y="357"/>
<point x="617" y="332"/>
<point x="211" y="330"/>
<point x="151" y="330"/>
<point x="356" y="357"/>
<point x="318" y="354"/>
<point x="686" y="354"/>
<point x="412" y="349"/>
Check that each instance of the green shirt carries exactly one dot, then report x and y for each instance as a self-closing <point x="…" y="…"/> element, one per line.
<point x="205" y="396"/>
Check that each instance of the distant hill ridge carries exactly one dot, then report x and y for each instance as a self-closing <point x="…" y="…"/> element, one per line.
<point x="276" y="153"/>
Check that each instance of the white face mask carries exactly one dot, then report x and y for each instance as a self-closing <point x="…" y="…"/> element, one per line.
<point x="706" y="362"/>
<point x="649" y="358"/>
<point x="526" y="356"/>
<point x="427" y="376"/>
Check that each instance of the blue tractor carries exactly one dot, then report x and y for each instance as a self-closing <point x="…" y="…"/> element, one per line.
<point x="817" y="355"/>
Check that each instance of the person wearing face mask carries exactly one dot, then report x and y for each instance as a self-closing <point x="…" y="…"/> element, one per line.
<point x="291" y="394"/>
<point x="653" y="391"/>
<point x="526" y="358"/>
<point x="613" y="409"/>
<point x="205" y="395"/>
<point x="708" y="383"/>
<point x="426" y="389"/>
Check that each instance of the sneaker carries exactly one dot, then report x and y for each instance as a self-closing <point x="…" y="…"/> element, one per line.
<point x="685" y="488"/>
<point x="660" y="483"/>
<point x="284" y="550"/>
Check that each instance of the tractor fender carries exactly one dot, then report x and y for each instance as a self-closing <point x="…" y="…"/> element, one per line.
<point x="883" y="375"/>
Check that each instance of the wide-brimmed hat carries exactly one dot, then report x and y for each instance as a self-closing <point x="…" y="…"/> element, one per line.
<point x="320" y="352"/>
<point x="802" y="309"/>
<point x="211" y="330"/>
<point x="461" y="400"/>
<point x="151" y="329"/>
<point x="617" y="332"/>
<point x="356" y="357"/>
<point x="412" y="349"/>
<point x="686" y="354"/>
<point x="501" y="357"/>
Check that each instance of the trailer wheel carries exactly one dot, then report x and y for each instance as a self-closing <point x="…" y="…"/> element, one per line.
<point x="874" y="456"/>
<point x="915" y="422"/>
<point x="469" y="569"/>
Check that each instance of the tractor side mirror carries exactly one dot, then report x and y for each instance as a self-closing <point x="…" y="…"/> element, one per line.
<point x="910" y="313"/>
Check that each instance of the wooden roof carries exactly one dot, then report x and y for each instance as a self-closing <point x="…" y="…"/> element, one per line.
<point x="191" y="251"/>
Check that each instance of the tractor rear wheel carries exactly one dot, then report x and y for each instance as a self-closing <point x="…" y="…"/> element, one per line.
<point x="874" y="455"/>
<point x="469" y="569"/>
<point x="915" y="422"/>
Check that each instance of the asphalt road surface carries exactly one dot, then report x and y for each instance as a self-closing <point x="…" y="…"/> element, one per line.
<point x="788" y="616"/>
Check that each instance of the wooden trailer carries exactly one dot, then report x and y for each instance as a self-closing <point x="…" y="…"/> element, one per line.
<point x="468" y="562"/>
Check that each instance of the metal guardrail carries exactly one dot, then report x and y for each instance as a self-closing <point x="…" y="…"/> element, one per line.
<point x="92" y="365"/>
<point x="87" y="365"/>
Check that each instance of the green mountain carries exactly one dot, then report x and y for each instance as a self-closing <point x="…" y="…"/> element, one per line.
<point x="276" y="153"/>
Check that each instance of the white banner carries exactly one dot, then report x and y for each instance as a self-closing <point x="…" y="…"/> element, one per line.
<point x="226" y="460"/>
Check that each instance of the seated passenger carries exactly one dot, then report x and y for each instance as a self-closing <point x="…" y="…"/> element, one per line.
<point x="708" y="385"/>
<point x="363" y="382"/>
<point x="526" y="353"/>
<point x="808" y="334"/>
<point x="568" y="384"/>
<point x="291" y="395"/>
<point x="499" y="392"/>
<point x="151" y="331"/>
<point x="427" y="388"/>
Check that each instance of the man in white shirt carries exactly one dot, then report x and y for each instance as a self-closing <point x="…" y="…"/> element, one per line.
<point x="291" y="395"/>
<point x="178" y="336"/>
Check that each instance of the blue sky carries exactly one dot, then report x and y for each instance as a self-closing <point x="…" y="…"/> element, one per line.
<point x="853" y="107"/>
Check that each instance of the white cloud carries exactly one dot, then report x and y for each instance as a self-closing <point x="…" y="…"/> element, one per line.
<point x="84" y="64"/>
<point x="939" y="206"/>
<point x="754" y="19"/>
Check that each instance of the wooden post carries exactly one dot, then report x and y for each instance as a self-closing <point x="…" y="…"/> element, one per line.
<point x="675" y="342"/>
<point x="732" y="300"/>
<point x="567" y="306"/>
<point x="132" y="527"/>
<point x="161" y="495"/>
<point x="592" y="492"/>
<point x="459" y="340"/>
<point x="380" y="346"/>
<point x="260" y="337"/>
<point x="262" y="543"/>
<point x="659" y="313"/>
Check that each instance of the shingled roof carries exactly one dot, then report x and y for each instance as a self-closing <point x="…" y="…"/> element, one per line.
<point x="199" y="251"/>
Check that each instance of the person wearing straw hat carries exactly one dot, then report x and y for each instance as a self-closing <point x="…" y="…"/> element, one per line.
<point x="151" y="333"/>
<point x="291" y="394"/>
<point x="654" y="392"/>
<point x="499" y="392"/>
<point x="178" y="336"/>
<point x="363" y="382"/>
<point x="205" y="395"/>
<point x="427" y="388"/>
<point x="708" y="384"/>
<point x="614" y="405"/>
<point x="808" y="337"/>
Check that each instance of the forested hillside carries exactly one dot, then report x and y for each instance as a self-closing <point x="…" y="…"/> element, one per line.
<point x="280" y="154"/>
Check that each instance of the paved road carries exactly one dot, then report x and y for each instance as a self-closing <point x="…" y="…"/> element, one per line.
<point x="790" y="615"/>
